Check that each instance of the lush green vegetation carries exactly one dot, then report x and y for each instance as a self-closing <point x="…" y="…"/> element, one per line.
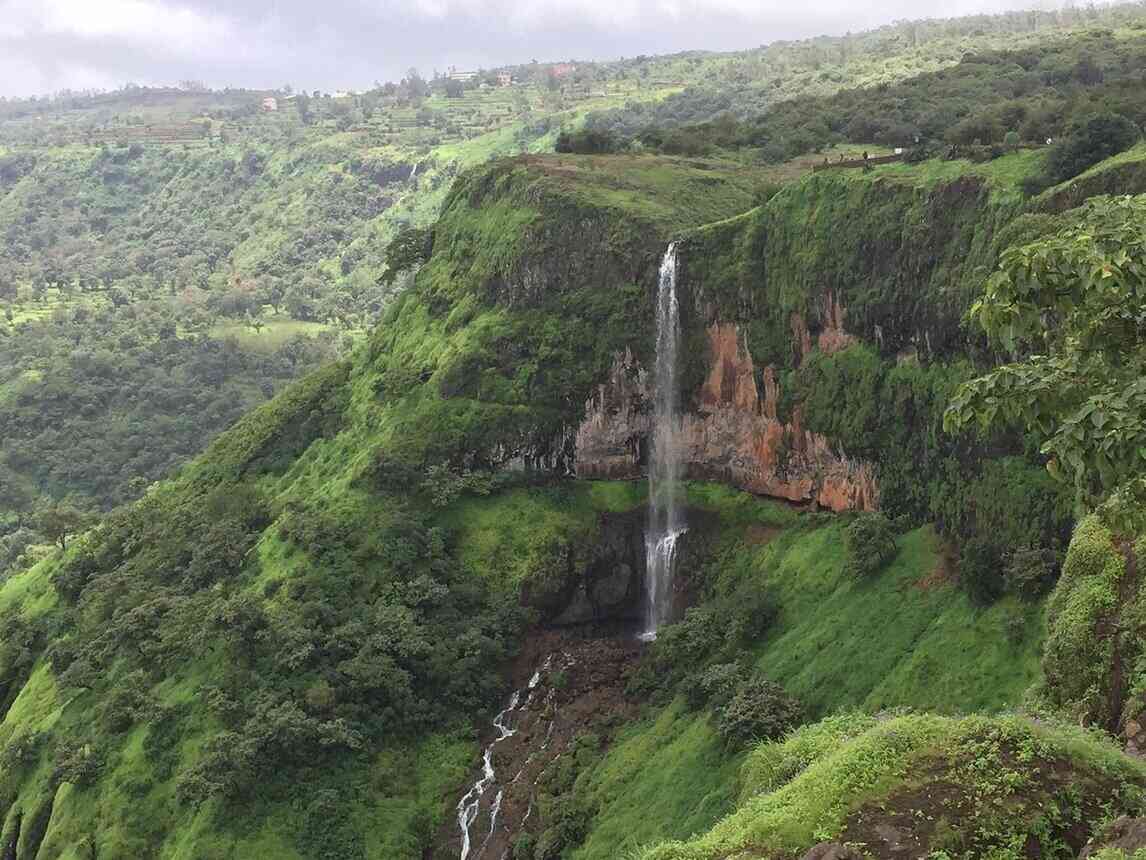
<point x="1012" y="781"/>
<point x="325" y="596"/>
<point x="1024" y="88"/>
<point x="287" y="648"/>
<point x="1072" y="301"/>
<point x="172" y="257"/>
<point x="292" y="608"/>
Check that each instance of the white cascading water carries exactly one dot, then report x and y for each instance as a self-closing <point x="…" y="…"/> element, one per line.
<point x="470" y="806"/>
<point x="413" y="172"/>
<point x="665" y="524"/>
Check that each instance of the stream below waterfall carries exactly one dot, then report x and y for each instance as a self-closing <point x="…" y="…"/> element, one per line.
<point x="567" y="684"/>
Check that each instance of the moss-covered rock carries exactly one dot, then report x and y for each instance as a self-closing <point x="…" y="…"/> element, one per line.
<point x="913" y="785"/>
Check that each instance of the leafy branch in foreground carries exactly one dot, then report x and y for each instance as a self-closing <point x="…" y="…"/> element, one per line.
<point x="1075" y="304"/>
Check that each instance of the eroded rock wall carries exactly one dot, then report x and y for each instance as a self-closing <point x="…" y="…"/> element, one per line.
<point x="733" y="433"/>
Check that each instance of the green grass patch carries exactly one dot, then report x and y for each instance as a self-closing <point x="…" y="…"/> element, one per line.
<point x="665" y="777"/>
<point x="906" y="637"/>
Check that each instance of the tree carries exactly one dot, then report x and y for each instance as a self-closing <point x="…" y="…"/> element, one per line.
<point x="1071" y="305"/>
<point x="870" y="544"/>
<point x="60" y="521"/>
<point x="760" y="710"/>
<point x="1088" y="142"/>
<point x="302" y="104"/>
<point x="409" y="250"/>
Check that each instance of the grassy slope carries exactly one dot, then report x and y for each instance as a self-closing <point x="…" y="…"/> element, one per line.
<point x="669" y="775"/>
<point x="834" y="647"/>
<point x="900" y="765"/>
<point x="391" y="402"/>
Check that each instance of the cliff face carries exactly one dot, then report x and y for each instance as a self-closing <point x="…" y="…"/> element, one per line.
<point x="820" y="331"/>
<point x="734" y="434"/>
<point x="769" y="294"/>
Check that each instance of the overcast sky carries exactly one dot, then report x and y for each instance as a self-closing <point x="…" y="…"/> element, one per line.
<point x="47" y="45"/>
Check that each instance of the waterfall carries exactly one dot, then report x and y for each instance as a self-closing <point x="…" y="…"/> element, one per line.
<point x="665" y="524"/>
<point x="413" y="172"/>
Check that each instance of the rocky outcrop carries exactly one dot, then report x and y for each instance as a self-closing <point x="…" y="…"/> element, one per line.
<point x="1125" y="834"/>
<point x="570" y="704"/>
<point x="611" y="440"/>
<point x="734" y="434"/>
<point x="592" y="581"/>
<point x="832" y="336"/>
<point x="609" y="587"/>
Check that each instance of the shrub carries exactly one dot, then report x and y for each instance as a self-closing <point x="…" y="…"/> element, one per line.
<point x="523" y="847"/>
<point x="749" y="614"/>
<point x="870" y="544"/>
<point x="919" y="153"/>
<point x="77" y="763"/>
<point x="22" y="750"/>
<point x="1030" y="572"/>
<point x="760" y="710"/>
<point x="1036" y="184"/>
<point x="570" y="818"/>
<point x="980" y="571"/>
<point x="715" y="685"/>
<point x="1088" y="142"/>
<point x="586" y="142"/>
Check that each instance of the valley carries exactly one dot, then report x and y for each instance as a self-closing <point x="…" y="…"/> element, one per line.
<point x="583" y="491"/>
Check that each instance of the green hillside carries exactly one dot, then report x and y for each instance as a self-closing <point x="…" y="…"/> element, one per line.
<point x="239" y="246"/>
<point x="285" y="649"/>
<point x="906" y="614"/>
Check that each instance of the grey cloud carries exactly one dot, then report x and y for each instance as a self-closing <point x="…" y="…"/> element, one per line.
<point x="351" y="43"/>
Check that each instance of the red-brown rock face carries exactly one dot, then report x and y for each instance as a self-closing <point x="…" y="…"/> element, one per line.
<point x="734" y="436"/>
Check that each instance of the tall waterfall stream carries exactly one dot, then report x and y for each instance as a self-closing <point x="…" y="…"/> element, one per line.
<point x="666" y="466"/>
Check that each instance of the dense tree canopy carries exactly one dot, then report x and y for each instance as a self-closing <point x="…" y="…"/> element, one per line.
<point x="1051" y="89"/>
<point x="1071" y="305"/>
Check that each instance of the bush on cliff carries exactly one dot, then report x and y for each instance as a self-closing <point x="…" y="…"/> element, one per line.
<point x="870" y="543"/>
<point x="586" y="142"/>
<point x="1088" y="142"/>
<point x="981" y="571"/>
<point x="718" y="630"/>
<point x="760" y="710"/>
<point x="714" y="685"/>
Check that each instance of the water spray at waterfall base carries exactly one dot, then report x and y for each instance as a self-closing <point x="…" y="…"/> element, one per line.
<point x="666" y="522"/>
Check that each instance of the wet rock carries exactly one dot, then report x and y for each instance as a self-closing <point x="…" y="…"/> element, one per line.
<point x="1127" y="834"/>
<point x="612" y="589"/>
<point x="603" y="582"/>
